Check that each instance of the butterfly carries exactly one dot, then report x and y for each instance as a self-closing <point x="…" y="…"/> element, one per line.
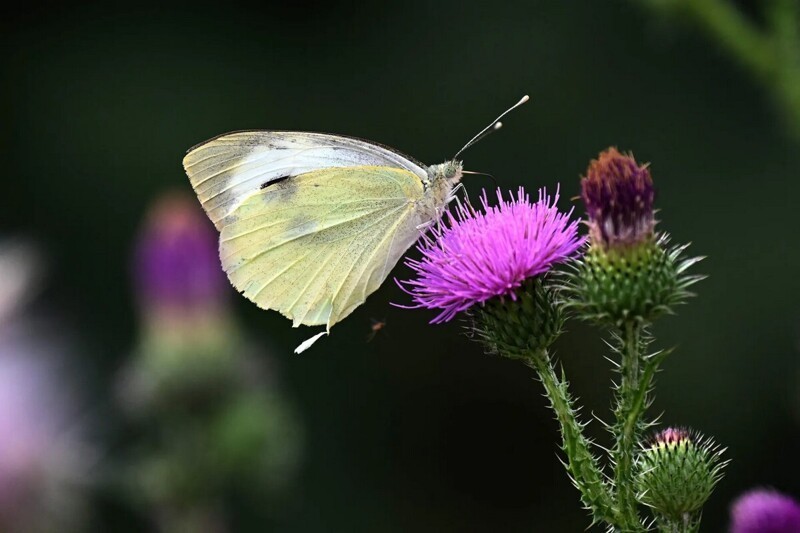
<point x="312" y="223"/>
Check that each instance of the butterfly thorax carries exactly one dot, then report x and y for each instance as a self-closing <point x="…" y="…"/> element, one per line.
<point x="442" y="179"/>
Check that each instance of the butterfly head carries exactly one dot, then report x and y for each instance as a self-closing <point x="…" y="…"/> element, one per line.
<point x="442" y="178"/>
<point x="449" y="171"/>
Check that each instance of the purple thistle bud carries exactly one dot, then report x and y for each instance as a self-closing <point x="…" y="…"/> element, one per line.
<point x="475" y="256"/>
<point x="628" y="273"/>
<point x="618" y="194"/>
<point x="177" y="268"/>
<point x="765" y="511"/>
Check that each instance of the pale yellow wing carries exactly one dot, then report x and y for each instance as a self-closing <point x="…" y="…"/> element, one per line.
<point x="314" y="246"/>
<point x="227" y="169"/>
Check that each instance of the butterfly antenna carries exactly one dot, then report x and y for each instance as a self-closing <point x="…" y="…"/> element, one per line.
<point x="494" y="126"/>
<point x="485" y="133"/>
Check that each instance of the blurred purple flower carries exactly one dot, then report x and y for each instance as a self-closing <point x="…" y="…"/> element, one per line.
<point x="43" y="455"/>
<point x="618" y="194"/>
<point x="177" y="266"/>
<point x="475" y="256"/>
<point x="213" y="415"/>
<point x="765" y="511"/>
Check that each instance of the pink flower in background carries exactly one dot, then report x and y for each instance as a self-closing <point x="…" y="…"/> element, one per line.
<point x="44" y="460"/>
<point x="206" y="400"/>
<point x="177" y="268"/>
<point x="765" y="511"/>
<point x="474" y="256"/>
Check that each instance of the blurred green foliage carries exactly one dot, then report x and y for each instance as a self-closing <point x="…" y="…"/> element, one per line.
<point x="419" y="430"/>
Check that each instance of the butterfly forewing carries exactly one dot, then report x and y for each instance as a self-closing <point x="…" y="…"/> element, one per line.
<point x="227" y="169"/>
<point x="316" y="245"/>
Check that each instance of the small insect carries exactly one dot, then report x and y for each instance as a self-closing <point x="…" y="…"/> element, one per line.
<point x="311" y="223"/>
<point x="377" y="325"/>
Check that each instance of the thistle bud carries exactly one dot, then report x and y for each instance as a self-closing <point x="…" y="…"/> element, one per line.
<point x="677" y="471"/>
<point x="618" y="194"/>
<point x="628" y="273"/>
<point x="187" y="332"/>
<point x="520" y="327"/>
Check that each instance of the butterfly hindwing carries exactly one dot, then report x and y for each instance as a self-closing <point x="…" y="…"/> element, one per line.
<point x="314" y="246"/>
<point x="229" y="168"/>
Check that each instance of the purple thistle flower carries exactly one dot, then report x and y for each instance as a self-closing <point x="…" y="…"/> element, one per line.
<point x="475" y="256"/>
<point x="765" y="511"/>
<point x="618" y="194"/>
<point x="177" y="266"/>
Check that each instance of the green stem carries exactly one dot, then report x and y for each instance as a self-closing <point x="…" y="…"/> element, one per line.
<point x="581" y="464"/>
<point x="770" y="55"/>
<point x="784" y="21"/>
<point x="734" y="32"/>
<point x="783" y="17"/>
<point x="631" y="399"/>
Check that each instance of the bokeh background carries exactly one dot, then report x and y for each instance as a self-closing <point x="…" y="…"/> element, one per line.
<point x="416" y="430"/>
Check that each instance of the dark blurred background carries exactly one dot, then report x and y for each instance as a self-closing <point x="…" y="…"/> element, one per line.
<point x="416" y="430"/>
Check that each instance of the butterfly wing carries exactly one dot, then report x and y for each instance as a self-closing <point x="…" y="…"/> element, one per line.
<point x="314" y="246"/>
<point x="229" y="168"/>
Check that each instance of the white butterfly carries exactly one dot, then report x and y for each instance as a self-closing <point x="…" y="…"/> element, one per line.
<point x="311" y="223"/>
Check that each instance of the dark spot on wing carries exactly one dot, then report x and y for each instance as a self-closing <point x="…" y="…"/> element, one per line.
<point x="273" y="182"/>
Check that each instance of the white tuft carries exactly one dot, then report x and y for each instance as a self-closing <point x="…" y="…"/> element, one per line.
<point x="306" y="344"/>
